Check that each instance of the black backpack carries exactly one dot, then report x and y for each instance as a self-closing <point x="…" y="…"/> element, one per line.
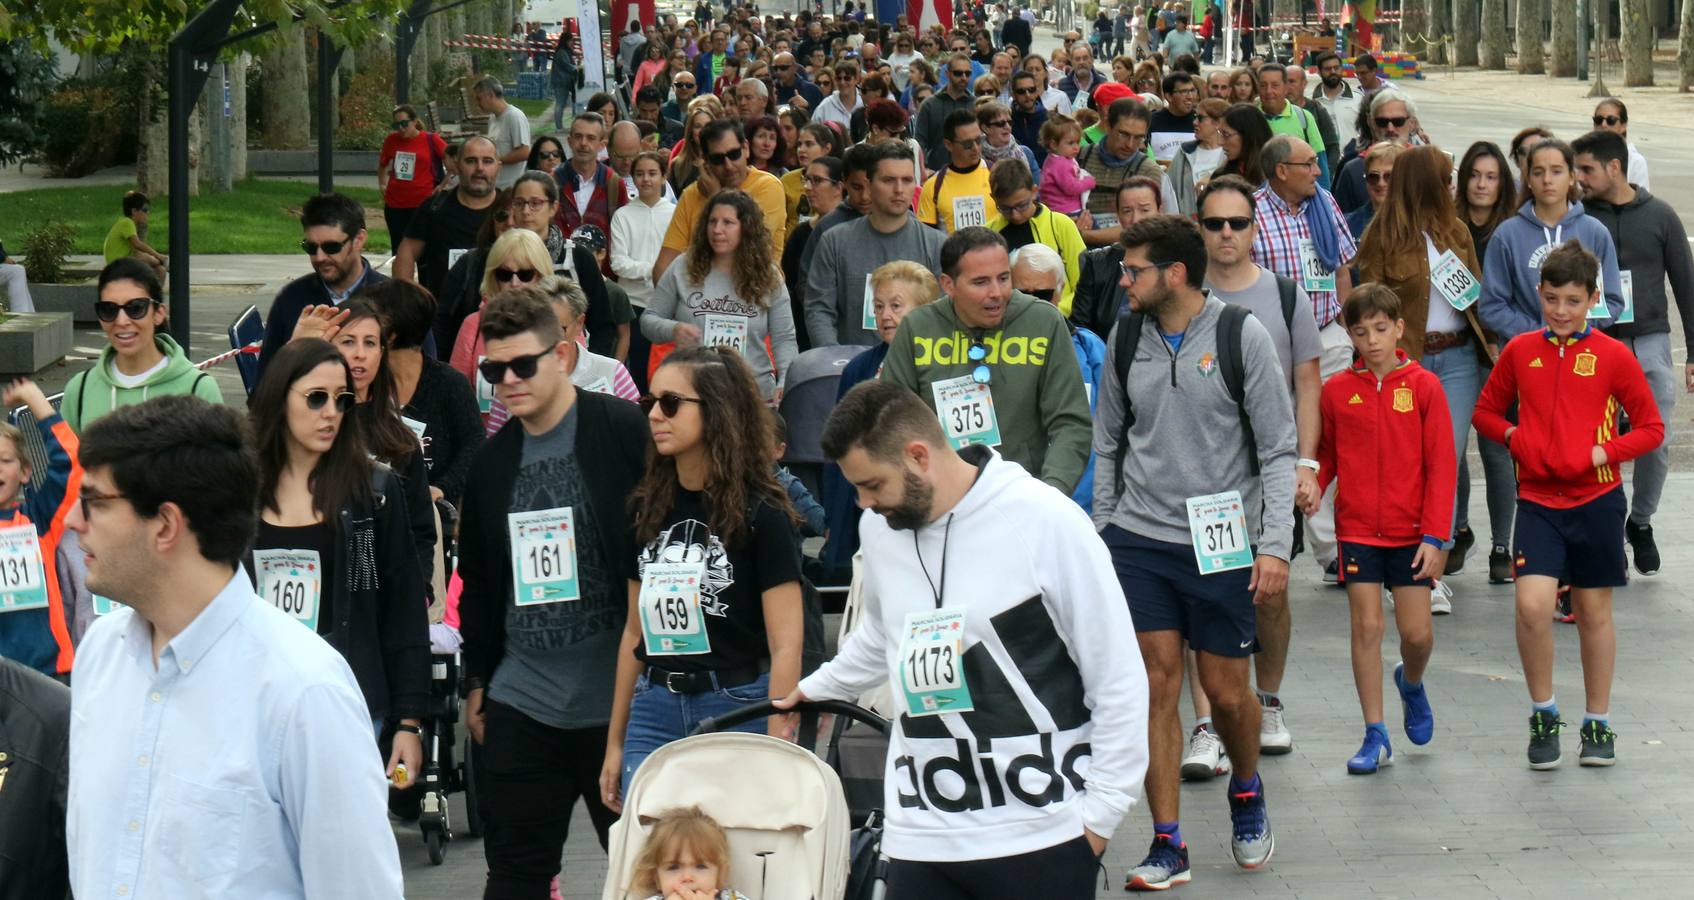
<point x="1229" y="362"/>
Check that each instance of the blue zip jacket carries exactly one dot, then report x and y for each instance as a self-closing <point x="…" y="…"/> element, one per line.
<point x="1091" y="358"/>
<point x="1511" y="273"/>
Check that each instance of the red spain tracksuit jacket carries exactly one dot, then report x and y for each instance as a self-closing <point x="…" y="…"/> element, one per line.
<point x="1389" y="444"/>
<point x="1568" y="391"/>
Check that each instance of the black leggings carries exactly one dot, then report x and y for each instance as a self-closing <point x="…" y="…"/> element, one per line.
<point x="1064" y="872"/>
<point x="535" y="775"/>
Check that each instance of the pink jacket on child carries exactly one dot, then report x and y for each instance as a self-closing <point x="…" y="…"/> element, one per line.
<point x="1063" y="183"/>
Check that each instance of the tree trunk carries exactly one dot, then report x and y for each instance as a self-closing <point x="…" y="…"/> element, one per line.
<point x="1685" y="48"/>
<point x="1564" y="40"/>
<point x="238" y="116"/>
<point x="1636" y="42"/>
<point x="152" y="162"/>
<point x="1441" y="29"/>
<point x="1493" y="16"/>
<point x="287" y="112"/>
<point x="1465" y="21"/>
<point x="1530" y="51"/>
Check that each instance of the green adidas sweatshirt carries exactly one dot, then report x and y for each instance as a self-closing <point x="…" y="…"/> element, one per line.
<point x="1036" y="384"/>
<point x="92" y="393"/>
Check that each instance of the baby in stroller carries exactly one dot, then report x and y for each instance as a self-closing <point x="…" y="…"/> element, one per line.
<point x="686" y="857"/>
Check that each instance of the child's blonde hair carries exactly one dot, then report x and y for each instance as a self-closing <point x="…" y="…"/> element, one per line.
<point x="678" y="829"/>
<point x="12" y="433"/>
<point x="1058" y="127"/>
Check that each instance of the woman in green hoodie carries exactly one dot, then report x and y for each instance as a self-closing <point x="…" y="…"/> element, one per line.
<point x="141" y="361"/>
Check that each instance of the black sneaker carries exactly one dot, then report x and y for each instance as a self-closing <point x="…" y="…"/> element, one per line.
<point x="1642" y="547"/>
<point x="1462" y="542"/>
<point x="1544" y="731"/>
<point x="1597" y="740"/>
<point x="1332" y="572"/>
<point x="1499" y="565"/>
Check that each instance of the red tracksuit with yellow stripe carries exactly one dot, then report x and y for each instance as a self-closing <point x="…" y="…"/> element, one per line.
<point x="1389" y="444"/>
<point x="1568" y="391"/>
<point x="41" y="638"/>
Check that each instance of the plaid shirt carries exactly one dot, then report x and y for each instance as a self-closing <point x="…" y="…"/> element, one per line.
<point x="1277" y="246"/>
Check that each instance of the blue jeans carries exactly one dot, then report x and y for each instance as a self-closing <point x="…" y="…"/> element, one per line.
<point x="657" y="716"/>
<point x="1461" y="381"/>
<point x="563" y="98"/>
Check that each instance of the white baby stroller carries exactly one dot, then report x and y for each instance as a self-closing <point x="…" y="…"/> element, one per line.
<point x="782" y="807"/>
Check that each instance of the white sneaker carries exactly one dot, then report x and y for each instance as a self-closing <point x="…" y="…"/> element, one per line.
<point x="1441" y="599"/>
<point x="1205" y="758"/>
<point x="1274" y="737"/>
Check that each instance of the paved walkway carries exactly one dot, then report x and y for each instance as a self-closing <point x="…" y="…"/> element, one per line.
<point x="1463" y="817"/>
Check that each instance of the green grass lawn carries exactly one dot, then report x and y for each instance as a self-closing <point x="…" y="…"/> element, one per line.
<point x="532" y="108"/>
<point x="257" y="217"/>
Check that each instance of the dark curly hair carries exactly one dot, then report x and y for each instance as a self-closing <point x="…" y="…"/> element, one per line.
<point x="739" y="441"/>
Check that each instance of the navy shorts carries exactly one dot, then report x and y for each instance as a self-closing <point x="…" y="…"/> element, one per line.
<point x="1387" y="566"/>
<point x="1166" y="592"/>
<point x="1582" y="546"/>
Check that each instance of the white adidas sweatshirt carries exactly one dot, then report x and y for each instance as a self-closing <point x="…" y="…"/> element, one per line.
<point x="1058" y="738"/>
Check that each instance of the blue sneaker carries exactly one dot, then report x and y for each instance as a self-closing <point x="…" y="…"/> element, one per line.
<point x="1374" y="752"/>
<point x="1420" y="718"/>
<point x="1165" y="867"/>
<point x="1252" y="843"/>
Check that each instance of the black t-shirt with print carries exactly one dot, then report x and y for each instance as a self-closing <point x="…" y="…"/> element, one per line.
<point x="732" y="598"/>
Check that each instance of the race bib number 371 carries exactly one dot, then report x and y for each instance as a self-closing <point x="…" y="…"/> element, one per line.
<point x="1217" y="526"/>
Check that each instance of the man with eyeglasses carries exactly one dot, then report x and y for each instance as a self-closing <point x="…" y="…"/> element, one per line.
<point x="958" y="196"/>
<point x="1028" y="115"/>
<point x="1394" y="120"/>
<point x="589" y="190"/>
<point x="683" y="87"/>
<point x="1312" y="246"/>
<point x="1174" y="124"/>
<point x="334" y="242"/>
<point x="727" y="167"/>
<point x="217" y="748"/>
<point x="996" y="365"/>
<point x="1286" y="118"/>
<point x="857" y="166"/>
<point x="1120" y="157"/>
<point x="539" y="655"/>
<point x="932" y="116"/>
<point x="791" y="83"/>
<point x="1193" y="493"/>
<point x="1226" y="211"/>
<point x="446" y="226"/>
<point x="838" y="302"/>
<point x="408" y="169"/>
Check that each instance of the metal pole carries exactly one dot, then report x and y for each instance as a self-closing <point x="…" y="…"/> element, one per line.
<point x="329" y="56"/>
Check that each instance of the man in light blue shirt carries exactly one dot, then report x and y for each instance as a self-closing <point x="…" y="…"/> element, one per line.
<point x="218" y="749"/>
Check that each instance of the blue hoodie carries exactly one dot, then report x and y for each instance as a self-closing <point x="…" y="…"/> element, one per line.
<point x="1511" y="273"/>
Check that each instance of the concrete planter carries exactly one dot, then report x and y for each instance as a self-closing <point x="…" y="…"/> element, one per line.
<point x="30" y="342"/>
<point x="76" y="299"/>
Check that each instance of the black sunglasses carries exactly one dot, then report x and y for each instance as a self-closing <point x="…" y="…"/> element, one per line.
<point x="1396" y="121"/>
<point x="679" y="85"/>
<point x="503" y="275"/>
<point x="401" y="124"/>
<point x="1377" y="177"/>
<point x="330" y="248"/>
<point x="1237" y="223"/>
<point x="494" y="371"/>
<point x="107" y="311"/>
<point x="668" y="404"/>
<point x="315" y="400"/>
<point x="1607" y="120"/>
<point x="718" y="159"/>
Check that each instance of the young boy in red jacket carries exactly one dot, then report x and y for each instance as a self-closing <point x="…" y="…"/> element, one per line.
<point x="1388" y="443"/>
<point x="1569" y="381"/>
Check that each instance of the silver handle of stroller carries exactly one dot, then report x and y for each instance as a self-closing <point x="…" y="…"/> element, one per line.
<point x="764" y="708"/>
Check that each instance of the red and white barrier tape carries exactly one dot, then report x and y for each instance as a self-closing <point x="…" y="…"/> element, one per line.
<point x="228" y="355"/>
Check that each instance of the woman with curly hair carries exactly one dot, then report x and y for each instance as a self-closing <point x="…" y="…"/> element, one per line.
<point x="726" y="290"/>
<point x="708" y="512"/>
